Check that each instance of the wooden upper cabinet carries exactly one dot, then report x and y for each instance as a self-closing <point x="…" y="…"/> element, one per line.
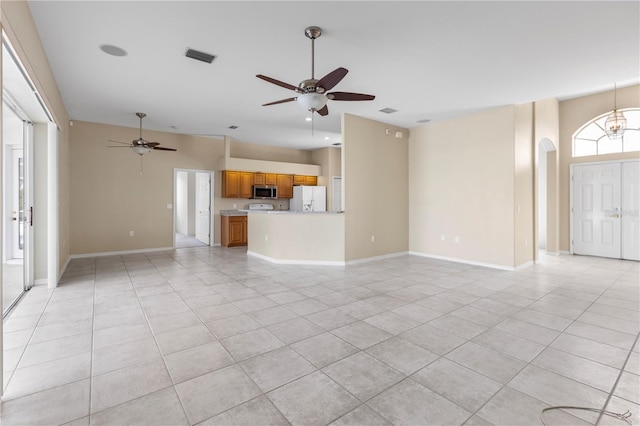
<point x="237" y="184"/>
<point x="285" y="186"/>
<point x="270" y="179"/>
<point x="246" y="185"/>
<point x="259" y="178"/>
<point x="305" y="180"/>
<point x="230" y="184"/>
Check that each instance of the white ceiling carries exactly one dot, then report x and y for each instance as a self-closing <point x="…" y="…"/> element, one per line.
<point x="428" y="60"/>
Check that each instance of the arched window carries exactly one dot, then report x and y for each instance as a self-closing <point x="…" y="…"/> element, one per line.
<point x="591" y="138"/>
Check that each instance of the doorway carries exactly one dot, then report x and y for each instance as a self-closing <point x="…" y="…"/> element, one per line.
<point x="193" y="200"/>
<point x="605" y="203"/>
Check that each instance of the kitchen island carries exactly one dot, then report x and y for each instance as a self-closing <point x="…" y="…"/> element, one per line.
<point x="293" y="237"/>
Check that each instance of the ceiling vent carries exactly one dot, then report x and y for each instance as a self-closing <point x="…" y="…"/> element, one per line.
<point x="200" y="56"/>
<point x="388" y="110"/>
<point x="233" y="127"/>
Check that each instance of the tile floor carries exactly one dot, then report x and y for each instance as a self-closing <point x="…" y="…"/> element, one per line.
<point x="210" y="336"/>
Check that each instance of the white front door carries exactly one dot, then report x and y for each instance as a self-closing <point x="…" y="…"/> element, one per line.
<point x="606" y="210"/>
<point x="631" y="210"/>
<point x="203" y="207"/>
<point x="596" y="210"/>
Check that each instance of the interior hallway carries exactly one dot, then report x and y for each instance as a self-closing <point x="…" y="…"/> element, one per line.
<point x="211" y="335"/>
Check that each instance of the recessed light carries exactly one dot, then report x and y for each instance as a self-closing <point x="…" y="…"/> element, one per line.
<point x="388" y="110"/>
<point x="326" y="138"/>
<point x="424" y="120"/>
<point x="112" y="50"/>
<point x="307" y="119"/>
<point x="233" y="127"/>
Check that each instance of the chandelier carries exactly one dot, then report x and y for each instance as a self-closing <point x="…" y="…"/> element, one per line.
<point x="616" y="123"/>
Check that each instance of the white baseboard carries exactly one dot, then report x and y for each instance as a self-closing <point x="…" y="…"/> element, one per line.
<point x="41" y="281"/>
<point x="465" y="261"/>
<point x="374" y="258"/>
<point x="63" y="269"/>
<point x="523" y="266"/>
<point x="296" y="262"/>
<point x="121" y="252"/>
<point x="564" y="252"/>
<point x="552" y="253"/>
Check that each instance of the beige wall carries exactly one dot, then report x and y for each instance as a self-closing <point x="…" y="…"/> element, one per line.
<point x="291" y="238"/>
<point x="253" y="151"/>
<point x="574" y="113"/>
<point x="461" y="180"/>
<point x="376" y="190"/>
<point x="524" y="247"/>
<point x="22" y="33"/>
<point x="329" y="159"/>
<point x="547" y="128"/>
<point x="110" y="197"/>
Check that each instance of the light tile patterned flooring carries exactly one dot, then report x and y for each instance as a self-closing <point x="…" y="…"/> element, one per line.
<point x="211" y="336"/>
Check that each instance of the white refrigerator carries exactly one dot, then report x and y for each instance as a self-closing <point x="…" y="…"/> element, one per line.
<point x="309" y="199"/>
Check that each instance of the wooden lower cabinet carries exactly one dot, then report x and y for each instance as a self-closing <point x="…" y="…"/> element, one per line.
<point x="234" y="231"/>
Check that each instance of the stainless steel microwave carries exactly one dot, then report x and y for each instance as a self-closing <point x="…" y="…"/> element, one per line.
<point x="265" y="192"/>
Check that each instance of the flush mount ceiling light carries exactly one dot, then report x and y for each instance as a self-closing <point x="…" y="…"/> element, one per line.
<point x="312" y="101"/>
<point x="616" y="123"/>
<point x="112" y="50"/>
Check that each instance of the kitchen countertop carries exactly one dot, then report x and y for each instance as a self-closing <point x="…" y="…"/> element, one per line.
<point x="291" y="212"/>
<point x="233" y="213"/>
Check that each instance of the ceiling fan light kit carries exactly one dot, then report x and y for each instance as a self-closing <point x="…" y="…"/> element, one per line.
<point x="312" y="93"/>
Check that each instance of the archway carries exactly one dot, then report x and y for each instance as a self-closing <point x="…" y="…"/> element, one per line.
<point x="547" y="214"/>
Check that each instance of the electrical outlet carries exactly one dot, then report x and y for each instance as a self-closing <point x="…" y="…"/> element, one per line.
<point x="131" y="233"/>
<point x="456" y="239"/>
<point x="235" y="206"/>
<point x="266" y="238"/>
<point x="442" y="237"/>
<point x="373" y="238"/>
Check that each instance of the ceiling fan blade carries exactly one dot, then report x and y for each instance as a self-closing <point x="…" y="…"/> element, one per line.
<point x="124" y="143"/>
<point x="330" y="80"/>
<point x="348" y="96"/>
<point x="278" y="83"/>
<point x="152" y="144"/>
<point x="161" y="148"/>
<point x="281" y="101"/>
<point x="118" y="146"/>
<point x="323" y="111"/>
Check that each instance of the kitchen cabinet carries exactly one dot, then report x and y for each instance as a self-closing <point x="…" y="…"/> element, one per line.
<point x="237" y="184"/>
<point x="285" y="186"/>
<point x="230" y="184"/>
<point x="234" y="231"/>
<point x="259" y="178"/>
<point x="270" y="179"/>
<point x="305" y="180"/>
<point x="246" y="185"/>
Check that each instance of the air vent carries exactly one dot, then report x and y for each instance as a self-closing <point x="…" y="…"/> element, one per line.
<point x="336" y="144"/>
<point x="200" y="56"/>
<point x="388" y="110"/>
<point x="424" y="120"/>
<point x="233" y="127"/>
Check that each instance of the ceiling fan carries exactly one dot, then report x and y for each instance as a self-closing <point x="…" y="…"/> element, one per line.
<point x="141" y="146"/>
<point x="312" y="93"/>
